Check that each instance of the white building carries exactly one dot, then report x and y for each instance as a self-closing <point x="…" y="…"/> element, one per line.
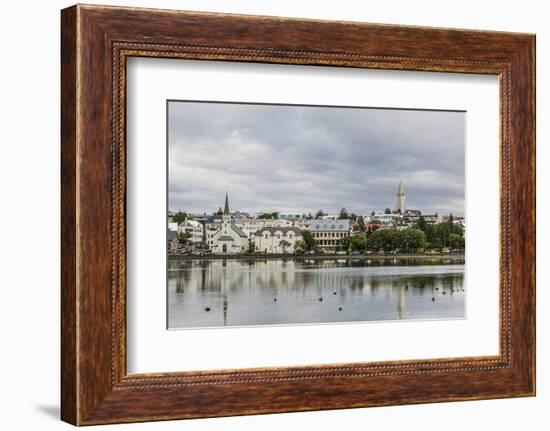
<point x="411" y="217"/>
<point x="251" y="225"/>
<point x="211" y="229"/>
<point x="277" y="239"/>
<point x="302" y="223"/>
<point x="229" y="238"/>
<point x="328" y="234"/>
<point x="387" y="220"/>
<point x="193" y="228"/>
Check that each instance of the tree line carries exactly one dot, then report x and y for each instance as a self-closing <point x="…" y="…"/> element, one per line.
<point x="418" y="237"/>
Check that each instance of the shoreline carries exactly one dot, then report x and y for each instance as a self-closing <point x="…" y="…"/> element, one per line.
<point x="312" y="257"/>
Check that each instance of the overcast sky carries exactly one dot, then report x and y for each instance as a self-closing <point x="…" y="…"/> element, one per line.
<point x="293" y="158"/>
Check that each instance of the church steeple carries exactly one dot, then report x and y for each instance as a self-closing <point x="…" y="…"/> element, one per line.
<point x="226" y="208"/>
<point x="400" y="203"/>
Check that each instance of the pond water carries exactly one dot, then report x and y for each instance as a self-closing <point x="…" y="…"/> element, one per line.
<point x="240" y="292"/>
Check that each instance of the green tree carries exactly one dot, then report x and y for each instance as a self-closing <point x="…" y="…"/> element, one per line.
<point x="421" y="224"/>
<point x="179" y="217"/>
<point x="319" y="214"/>
<point x="432" y="236"/>
<point x="284" y="244"/>
<point x="439" y="235"/>
<point x="453" y="227"/>
<point x="385" y="239"/>
<point x="411" y="239"/>
<point x="361" y="224"/>
<point x="387" y="211"/>
<point x="456" y="241"/>
<point x="309" y="241"/>
<point x="343" y="214"/>
<point x="354" y="243"/>
<point x="443" y="231"/>
<point x="300" y="246"/>
<point x="183" y="237"/>
<point x="389" y="240"/>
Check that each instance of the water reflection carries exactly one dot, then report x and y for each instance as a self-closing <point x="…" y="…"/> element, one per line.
<point x="234" y="292"/>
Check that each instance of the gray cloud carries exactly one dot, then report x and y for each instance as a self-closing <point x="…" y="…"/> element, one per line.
<point x="296" y="158"/>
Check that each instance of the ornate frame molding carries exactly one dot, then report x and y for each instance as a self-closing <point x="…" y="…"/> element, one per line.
<point x="96" y="41"/>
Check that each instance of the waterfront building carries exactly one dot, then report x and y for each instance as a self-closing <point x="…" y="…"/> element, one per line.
<point x="228" y="238"/>
<point x="251" y="225"/>
<point x="277" y="239"/>
<point x="194" y="229"/>
<point x="172" y="241"/>
<point x="328" y="234"/>
<point x="209" y="231"/>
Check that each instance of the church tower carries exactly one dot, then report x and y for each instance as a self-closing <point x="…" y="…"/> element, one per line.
<point x="226" y="218"/>
<point x="400" y="203"/>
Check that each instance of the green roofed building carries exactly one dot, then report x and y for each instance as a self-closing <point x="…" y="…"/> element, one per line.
<point x="228" y="239"/>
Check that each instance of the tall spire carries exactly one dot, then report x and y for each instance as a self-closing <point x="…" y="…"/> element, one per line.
<point x="400" y="190"/>
<point x="400" y="202"/>
<point x="226" y="209"/>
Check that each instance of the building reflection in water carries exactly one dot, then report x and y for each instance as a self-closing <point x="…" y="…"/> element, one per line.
<point x="234" y="292"/>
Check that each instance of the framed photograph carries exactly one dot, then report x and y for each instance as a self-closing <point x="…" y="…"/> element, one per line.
<point x="263" y="214"/>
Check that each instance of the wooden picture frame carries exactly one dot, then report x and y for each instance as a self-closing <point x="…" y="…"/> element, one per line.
<point x="95" y="43"/>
